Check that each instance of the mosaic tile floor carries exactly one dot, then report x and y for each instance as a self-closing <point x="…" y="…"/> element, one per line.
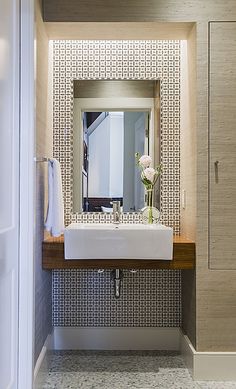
<point x="121" y="370"/>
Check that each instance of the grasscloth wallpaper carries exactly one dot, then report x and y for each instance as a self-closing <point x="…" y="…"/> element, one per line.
<point x="149" y="297"/>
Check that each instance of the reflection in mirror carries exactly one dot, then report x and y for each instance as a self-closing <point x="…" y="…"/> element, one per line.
<point x="109" y="128"/>
<point x="110" y="140"/>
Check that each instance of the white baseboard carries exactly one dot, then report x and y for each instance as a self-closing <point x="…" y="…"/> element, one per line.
<point x="116" y="338"/>
<point x="208" y="366"/>
<point x="47" y="346"/>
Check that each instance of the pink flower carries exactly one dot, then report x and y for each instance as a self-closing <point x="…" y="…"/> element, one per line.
<point x="145" y="161"/>
<point x="149" y="173"/>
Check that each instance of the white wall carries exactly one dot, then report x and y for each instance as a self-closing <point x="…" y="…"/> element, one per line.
<point x="99" y="160"/>
<point x="106" y="149"/>
<point x="116" y="153"/>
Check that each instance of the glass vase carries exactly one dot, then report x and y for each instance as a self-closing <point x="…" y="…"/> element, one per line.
<point x="150" y="214"/>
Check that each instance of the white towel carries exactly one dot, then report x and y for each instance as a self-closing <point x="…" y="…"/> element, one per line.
<point x="55" y="214"/>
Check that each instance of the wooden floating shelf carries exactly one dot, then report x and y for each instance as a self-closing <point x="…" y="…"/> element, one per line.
<point x="183" y="258"/>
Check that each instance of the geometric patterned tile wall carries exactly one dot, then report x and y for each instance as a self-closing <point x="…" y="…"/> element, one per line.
<point x="148" y="297"/>
<point x="120" y="60"/>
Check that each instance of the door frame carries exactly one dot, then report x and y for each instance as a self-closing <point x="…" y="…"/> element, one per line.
<point x="26" y="173"/>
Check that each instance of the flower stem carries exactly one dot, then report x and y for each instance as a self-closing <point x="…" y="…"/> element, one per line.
<point x="150" y="205"/>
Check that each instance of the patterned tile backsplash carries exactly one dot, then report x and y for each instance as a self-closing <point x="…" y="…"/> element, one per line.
<point x="156" y="60"/>
<point x="149" y="297"/>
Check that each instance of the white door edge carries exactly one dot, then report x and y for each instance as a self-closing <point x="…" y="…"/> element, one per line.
<point x="26" y="259"/>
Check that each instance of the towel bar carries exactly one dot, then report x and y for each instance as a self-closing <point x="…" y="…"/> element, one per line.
<point x="42" y="159"/>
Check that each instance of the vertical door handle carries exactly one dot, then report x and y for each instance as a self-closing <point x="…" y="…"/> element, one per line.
<point x="216" y="164"/>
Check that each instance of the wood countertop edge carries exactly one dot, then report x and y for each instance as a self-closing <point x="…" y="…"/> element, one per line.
<point x="177" y="239"/>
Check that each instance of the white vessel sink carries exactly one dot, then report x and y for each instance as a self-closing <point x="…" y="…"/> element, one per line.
<point x="122" y="241"/>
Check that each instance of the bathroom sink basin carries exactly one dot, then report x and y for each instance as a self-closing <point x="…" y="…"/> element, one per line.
<point x="122" y="241"/>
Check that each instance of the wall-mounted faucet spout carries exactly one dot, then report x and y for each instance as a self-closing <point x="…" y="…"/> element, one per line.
<point x="117" y="276"/>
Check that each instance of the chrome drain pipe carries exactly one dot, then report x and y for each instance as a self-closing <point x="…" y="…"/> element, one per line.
<point x="117" y="276"/>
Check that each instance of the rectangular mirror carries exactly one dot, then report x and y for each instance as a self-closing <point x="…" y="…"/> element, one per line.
<point x="112" y="120"/>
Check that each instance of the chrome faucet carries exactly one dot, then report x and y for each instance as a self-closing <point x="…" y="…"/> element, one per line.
<point x="116" y="212"/>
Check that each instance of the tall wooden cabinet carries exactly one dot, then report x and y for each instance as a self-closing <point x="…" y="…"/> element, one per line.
<point x="222" y="145"/>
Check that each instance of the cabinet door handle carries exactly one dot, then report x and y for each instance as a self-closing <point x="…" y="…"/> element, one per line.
<point x="216" y="164"/>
